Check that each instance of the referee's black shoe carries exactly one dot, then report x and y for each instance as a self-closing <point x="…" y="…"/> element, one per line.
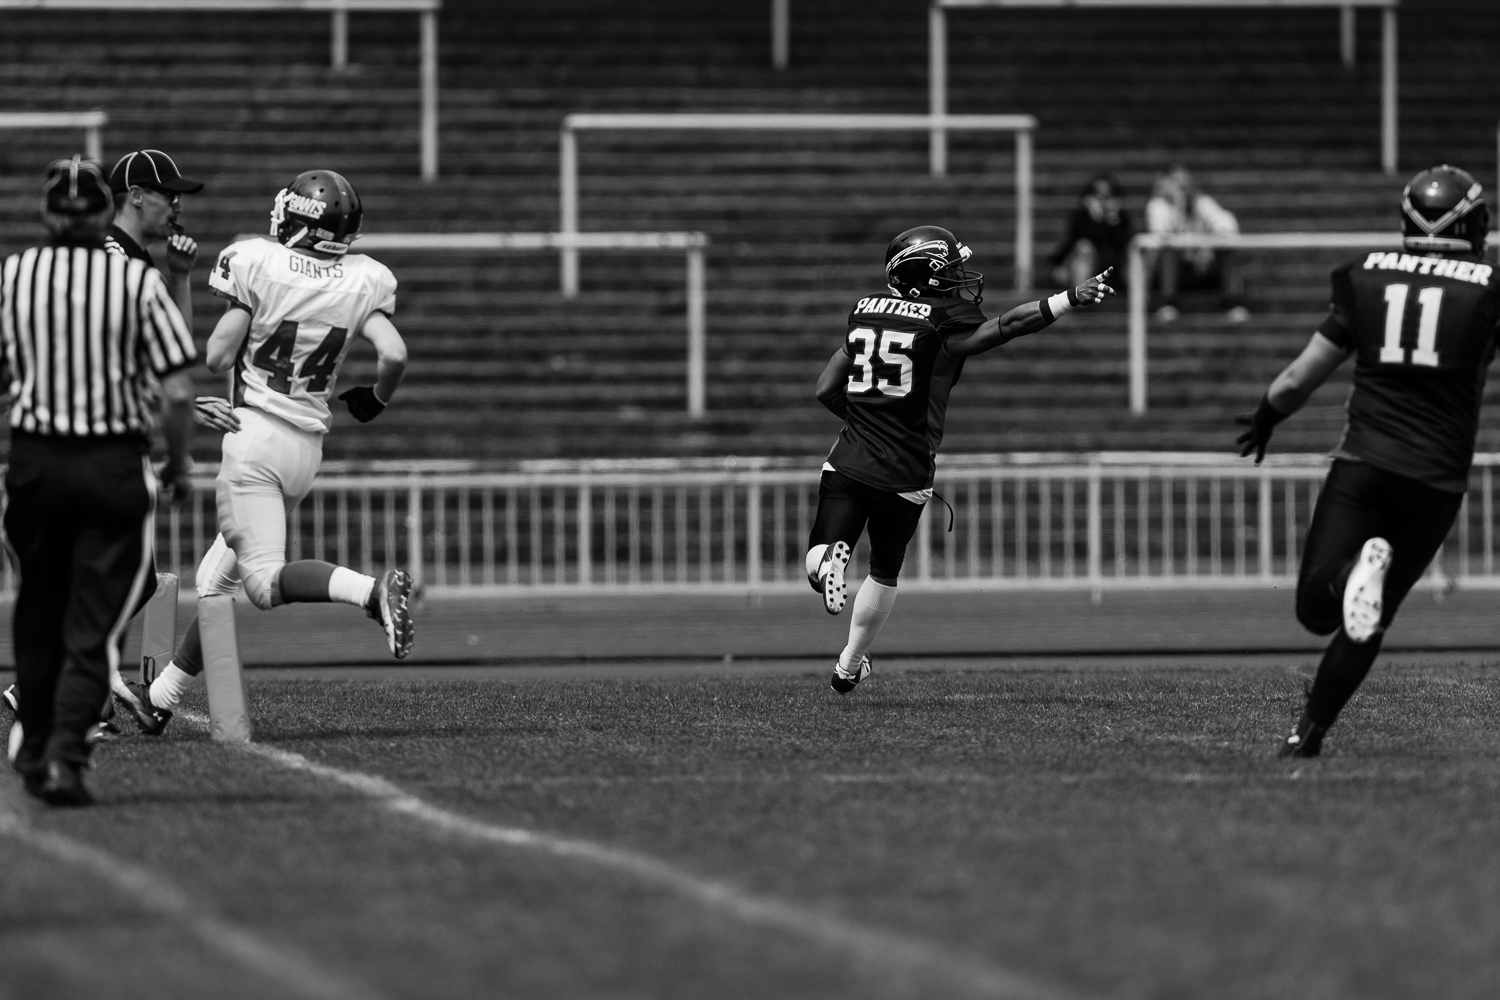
<point x="136" y="699"/>
<point x="59" y="783"/>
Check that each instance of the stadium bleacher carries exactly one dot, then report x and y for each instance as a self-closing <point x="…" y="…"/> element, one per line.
<point x="504" y="368"/>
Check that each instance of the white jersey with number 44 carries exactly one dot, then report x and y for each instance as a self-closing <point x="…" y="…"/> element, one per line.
<point x="304" y="312"/>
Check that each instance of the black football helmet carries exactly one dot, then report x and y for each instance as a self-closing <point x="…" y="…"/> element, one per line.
<point x="318" y="211"/>
<point x="1443" y="211"/>
<point x="928" y="260"/>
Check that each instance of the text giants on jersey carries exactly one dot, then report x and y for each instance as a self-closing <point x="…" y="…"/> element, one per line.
<point x="312" y="269"/>
<point x="897" y="307"/>
<point x="1438" y="267"/>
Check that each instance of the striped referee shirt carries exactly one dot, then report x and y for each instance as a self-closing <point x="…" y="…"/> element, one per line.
<point x="82" y="333"/>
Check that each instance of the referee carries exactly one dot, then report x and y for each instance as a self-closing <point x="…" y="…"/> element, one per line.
<point x="82" y="332"/>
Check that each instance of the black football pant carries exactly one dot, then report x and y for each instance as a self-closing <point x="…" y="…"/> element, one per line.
<point x="79" y="516"/>
<point x="1359" y="502"/>
<point x="846" y="506"/>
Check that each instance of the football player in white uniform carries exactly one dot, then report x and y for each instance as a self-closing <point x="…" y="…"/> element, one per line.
<point x="293" y="308"/>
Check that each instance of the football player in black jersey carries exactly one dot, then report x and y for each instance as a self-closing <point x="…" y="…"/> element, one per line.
<point x="890" y="382"/>
<point x="1421" y="326"/>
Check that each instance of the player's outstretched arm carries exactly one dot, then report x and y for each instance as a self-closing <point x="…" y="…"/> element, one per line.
<point x="367" y="402"/>
<point x="229" y="334"/>
<point x="1030" y="317"/>
<point x="1287" y="393"/>
<point x="831" y="383"/>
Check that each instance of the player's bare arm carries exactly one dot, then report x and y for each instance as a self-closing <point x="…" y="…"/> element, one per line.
<point x="177" y="426"/>
<point x="1030" y="317"/>
<point x="367" y="402"/>
<point x="831" y="384"/>
<point x="1288" y="392"/>
<point x="228" y="336"/>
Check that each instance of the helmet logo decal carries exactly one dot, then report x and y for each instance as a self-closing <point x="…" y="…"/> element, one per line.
<point x="303" y="205"/>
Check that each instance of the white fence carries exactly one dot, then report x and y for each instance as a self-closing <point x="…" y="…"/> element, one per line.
<point x="1020" y="522"/>
<point x="91" y="122"/>
<point x="338" y="11"/>
<point x="937" y="71"/>
<point x="1021" y="125"/>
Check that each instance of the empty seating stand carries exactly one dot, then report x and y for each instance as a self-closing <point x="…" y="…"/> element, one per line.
<point x="1255" y="101"/>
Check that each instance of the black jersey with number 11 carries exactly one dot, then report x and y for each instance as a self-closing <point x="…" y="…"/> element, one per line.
<point x="899" y="380"/>
<point x="1422" y="329"/>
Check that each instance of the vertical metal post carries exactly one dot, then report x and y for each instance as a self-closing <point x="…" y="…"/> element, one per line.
<point x="429" y="96"/>
<point x="937" y="86"/>
<point x="1096" y="531"/>
<point x="1263" y="528"/>
<point x="1137" y="334"/>
<point x="414" y="529"/>
<point x="1388" y="90"/>
<point x="752" y="529"/>
<point x="567" y="166"/>
<point x="338" y="39"/>
<point x="781" y="31"/>
<point x="93" y="145"/>
<point x="1346" y="35"/>
<point x="1023" y="209"/>
<point x="697" y="335"/>
<point x="585" y="534"/>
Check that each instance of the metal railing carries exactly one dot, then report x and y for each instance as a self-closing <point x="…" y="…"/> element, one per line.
<point x="1020" y="522"/>
<point x="92" y="123"/>
<point x="1021" y="125"/>
<point x="690" y="244"/>
<point x="338" y="11"/>
<point x="937" y="71"/>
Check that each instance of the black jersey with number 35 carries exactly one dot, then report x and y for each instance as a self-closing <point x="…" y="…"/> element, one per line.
<point x="1422" y="329"/>
<point x="899" y="380"/>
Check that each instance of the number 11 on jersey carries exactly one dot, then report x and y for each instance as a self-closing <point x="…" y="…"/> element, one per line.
<point x="1425" y="353"/>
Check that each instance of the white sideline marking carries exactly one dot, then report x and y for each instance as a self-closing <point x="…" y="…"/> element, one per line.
<point x="870" y="944"/>
<point x="291" y="971"/>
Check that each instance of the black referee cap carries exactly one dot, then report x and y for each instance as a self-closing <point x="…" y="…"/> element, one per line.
<point x="153" y="169"/>
<point x="76" y="187"/>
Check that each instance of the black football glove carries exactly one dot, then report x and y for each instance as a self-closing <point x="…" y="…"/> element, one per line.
<point x="363" y="403"/>
<point x="1260" y="423"/>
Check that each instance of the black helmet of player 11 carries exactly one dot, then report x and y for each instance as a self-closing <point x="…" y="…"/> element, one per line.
<point x="1443" y="211"/>
<point x="317" y="211"/>
<point x="929" y="260"/>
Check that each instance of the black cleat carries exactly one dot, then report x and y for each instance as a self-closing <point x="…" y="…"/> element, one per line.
<point x="136" y="699"/>
<point x="844" y="683"/>
<point x="390" y="605"/>
<point x="1306" y="740"/>
<point x="59" y="783"/>
<point x="12" y="700"/>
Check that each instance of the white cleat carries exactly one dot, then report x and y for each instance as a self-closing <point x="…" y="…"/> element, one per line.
<point x="1364" y="594"/>
<point x="390" y="605"/>
<point x="835" y="588"/>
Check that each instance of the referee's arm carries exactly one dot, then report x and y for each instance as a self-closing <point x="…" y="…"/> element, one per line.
<point x="169" y="351"/>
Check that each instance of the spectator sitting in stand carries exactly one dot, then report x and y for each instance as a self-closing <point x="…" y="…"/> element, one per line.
<point x="1177" y="206"/>
<point x="1098" y="233"/>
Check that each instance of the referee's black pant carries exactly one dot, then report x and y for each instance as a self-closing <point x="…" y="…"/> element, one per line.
<point x="79" y="515"/>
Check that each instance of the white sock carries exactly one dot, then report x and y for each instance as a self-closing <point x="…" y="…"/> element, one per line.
<point x="814" y="560"/>
<point x="872" y="606"/>
<point x="349" y="587"/>
<point x="169" y="686"/>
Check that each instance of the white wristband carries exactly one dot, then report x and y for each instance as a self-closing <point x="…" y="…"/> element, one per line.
<point x="1059" y="304"/>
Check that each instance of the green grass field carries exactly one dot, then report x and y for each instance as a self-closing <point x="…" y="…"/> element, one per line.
<point x="1030" y="829"/>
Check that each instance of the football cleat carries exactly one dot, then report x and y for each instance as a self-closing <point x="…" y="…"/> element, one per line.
<point x="390" y="606"/>
<point x="844" y="682"/>
<point x="136" y="699"/>
<point x="59" y="783"/>
<point x="1306" y="740"/>
<point x="1364" y="594"/>
<point x="831" y="582"/>
<point x="12" y="700"/>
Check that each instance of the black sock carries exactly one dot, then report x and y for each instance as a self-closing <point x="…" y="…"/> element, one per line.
<point x="1345" y="664"/>
<point x="189" y="655"/>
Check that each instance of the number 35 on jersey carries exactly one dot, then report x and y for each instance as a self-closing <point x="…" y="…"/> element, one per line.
<point x="875" y="353"/>
<point x="304" y="313"/>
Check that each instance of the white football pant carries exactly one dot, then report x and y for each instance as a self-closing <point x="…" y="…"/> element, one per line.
<point x="268" y="466"/>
